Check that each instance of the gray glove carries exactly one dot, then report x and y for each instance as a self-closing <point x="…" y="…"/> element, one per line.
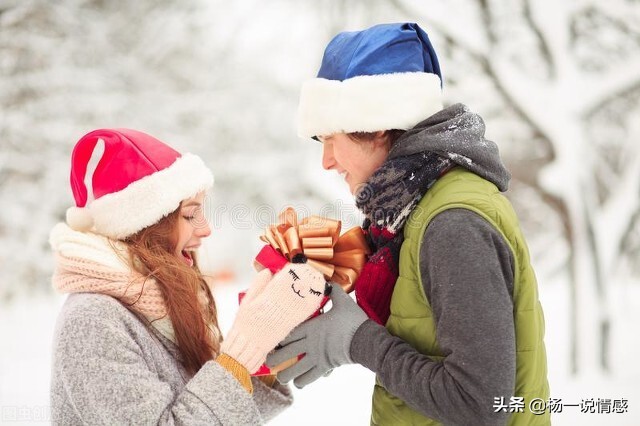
<point x="325" y="339"/>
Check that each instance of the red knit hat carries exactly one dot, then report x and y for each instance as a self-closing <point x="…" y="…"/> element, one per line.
<point x="137" y="181"/>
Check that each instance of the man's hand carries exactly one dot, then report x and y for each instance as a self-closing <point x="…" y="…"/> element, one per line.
<point x="325" y="340"/>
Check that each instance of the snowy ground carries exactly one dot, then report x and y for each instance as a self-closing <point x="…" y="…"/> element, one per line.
<point x="343" y="398"/>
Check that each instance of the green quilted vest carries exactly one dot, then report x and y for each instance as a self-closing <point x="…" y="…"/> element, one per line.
<point x="411" y="316"/>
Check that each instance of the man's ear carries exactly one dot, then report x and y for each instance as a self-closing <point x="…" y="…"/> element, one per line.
<point x="381" y="138"/>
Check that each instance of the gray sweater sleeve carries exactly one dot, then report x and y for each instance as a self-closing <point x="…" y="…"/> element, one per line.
<point x="108" y="369"/>
<point x="467" y="273"/>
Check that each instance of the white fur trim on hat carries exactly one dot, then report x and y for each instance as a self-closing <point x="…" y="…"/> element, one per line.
<point x="367" y="103"/>
<point x="147" y="200"/>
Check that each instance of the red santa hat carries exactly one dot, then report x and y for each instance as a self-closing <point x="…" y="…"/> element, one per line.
<point x="137" y="181"/>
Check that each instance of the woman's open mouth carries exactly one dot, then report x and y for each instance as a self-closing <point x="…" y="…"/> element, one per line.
<point x="187" y="256"/>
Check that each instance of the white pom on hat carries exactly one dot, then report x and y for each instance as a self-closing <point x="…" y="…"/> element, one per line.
<point x="79" y="219"/>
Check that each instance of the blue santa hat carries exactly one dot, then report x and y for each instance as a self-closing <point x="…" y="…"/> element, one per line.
<point x="384" y="77"/>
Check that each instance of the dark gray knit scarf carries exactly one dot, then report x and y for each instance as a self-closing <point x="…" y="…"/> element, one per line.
<point x="397" y="186"/>
<point x="387" y="199"/>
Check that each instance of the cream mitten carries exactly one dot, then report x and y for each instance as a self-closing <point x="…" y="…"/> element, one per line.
<point x="271" y="309"/>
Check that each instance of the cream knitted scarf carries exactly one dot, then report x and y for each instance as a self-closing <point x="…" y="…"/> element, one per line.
<point x="91" y="263"/>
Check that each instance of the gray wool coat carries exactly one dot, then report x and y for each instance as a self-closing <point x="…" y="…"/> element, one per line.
<point x="110" y="368"/>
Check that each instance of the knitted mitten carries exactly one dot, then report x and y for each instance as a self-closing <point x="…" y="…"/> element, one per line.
<point x="270" y="310"/>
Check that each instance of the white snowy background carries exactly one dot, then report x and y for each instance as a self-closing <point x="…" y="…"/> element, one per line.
<point x="558" y="83"/>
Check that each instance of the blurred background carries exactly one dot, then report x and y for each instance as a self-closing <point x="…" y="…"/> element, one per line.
<point x="557" y="82"/>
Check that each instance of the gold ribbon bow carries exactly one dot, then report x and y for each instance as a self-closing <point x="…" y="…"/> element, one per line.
<point x="339" y="258"/>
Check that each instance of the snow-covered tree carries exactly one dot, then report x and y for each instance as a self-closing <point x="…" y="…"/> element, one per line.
<point x="206" y="76"/>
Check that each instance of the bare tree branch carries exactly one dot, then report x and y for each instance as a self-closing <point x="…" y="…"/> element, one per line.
<point x="561" y="208"/>
<point x="526" y="170"/>
<point x="620" y="11"/>
<point x="517" y="106"/>
<point x="487" y="21"/>
<point x="626" y="244"/>
<point x="542" y="41"/>
<point x="619" y="211"/>
<point x="440" y="28"/>
<point x="607" y="88"/>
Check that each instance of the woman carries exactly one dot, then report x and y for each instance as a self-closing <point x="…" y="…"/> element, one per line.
<point x="137" y="340"/>
<point x="447" y="312"/>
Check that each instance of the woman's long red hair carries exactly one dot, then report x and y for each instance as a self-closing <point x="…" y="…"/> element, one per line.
<point x="190" y="304"/>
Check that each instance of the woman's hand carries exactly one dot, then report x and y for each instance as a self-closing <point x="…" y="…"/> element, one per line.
<point x="271" y="308"/>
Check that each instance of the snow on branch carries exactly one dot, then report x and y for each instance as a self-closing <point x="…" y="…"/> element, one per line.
<point x="470" y="42"/>
<point x="545" y="44"/>
<point x="618" y="213"/>
<point x="612" y="85"/>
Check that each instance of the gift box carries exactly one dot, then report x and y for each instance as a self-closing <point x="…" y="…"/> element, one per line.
<point x="339" y="258"/>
